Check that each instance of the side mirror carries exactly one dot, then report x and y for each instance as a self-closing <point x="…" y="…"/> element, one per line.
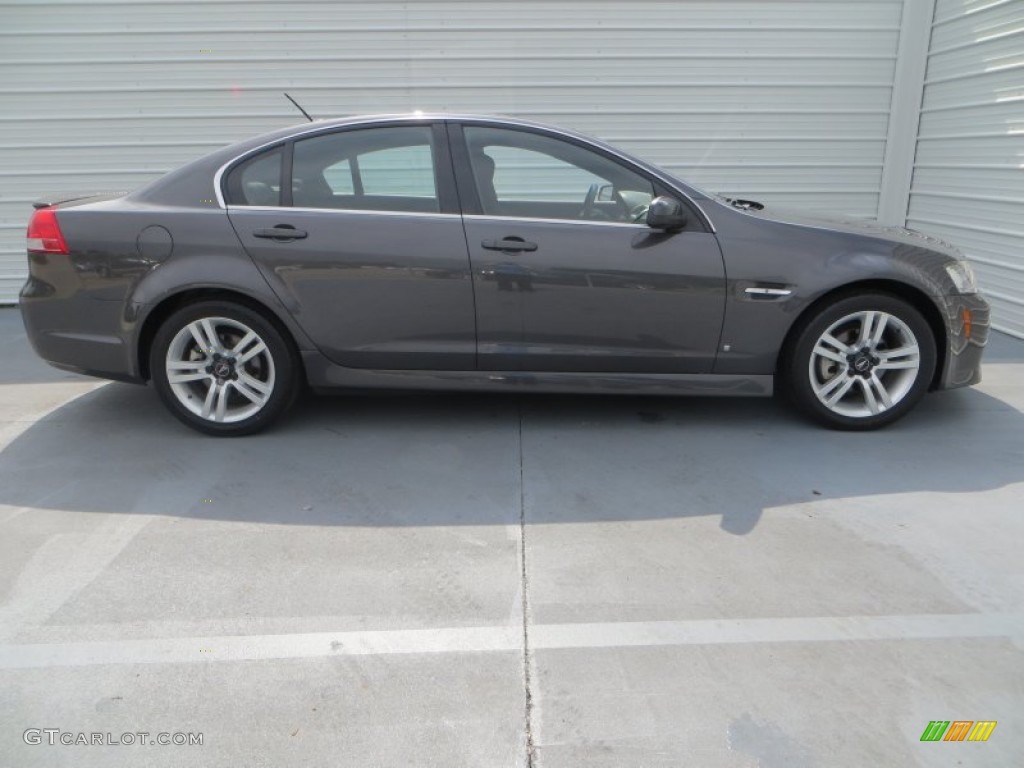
<point x="666" y="213"/>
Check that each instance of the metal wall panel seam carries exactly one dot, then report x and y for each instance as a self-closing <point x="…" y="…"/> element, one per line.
<point x="905" y="111"/>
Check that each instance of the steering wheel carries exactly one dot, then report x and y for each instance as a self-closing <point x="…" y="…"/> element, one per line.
<point x="591" y="211"/>
<point x="639" y="212"/>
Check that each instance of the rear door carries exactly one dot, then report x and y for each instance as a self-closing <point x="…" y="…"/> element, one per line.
<point x="358" y="230"/>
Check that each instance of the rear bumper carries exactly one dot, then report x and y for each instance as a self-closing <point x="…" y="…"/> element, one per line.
<point x="967" y="325"/>
<point x="73" y="333"/>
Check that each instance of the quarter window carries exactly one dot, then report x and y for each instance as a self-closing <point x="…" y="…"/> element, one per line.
<point x="376" y="169"/>
<point x="256" y="181"/>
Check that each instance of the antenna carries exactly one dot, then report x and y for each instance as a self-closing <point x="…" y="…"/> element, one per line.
<point x="299" y="106"/>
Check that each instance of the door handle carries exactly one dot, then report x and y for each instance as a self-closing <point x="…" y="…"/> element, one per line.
<point x="509" y="244"/>
<point x="281" y="232"/>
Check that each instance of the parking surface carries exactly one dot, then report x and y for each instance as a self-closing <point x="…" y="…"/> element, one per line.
<point x="704" y="582"/>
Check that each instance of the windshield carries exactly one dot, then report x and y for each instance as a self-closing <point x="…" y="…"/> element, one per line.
<point x="747" y="205"/>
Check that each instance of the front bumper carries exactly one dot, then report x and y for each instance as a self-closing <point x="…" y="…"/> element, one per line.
<point x="967" y="327"/>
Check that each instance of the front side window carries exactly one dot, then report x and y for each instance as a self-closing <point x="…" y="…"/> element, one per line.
<point x="256" y="181"/>
<point x="520" y="173"/>
<point x="370" y="169"/>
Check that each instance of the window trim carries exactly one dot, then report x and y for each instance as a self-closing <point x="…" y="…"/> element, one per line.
<point x="286" y="175"/>
<point x="444" y="180"/>
<point x="455" y="148"/>
<point x="470" y="196"/>
<point x="574" y="222"/>
<point x="346" y="211"/>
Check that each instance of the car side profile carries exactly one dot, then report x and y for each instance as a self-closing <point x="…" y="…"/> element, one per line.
<point x="478" y="253"/>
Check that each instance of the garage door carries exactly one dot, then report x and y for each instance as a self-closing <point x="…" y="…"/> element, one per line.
<point x="968" y="183"/>
<point x="782" y="101"/>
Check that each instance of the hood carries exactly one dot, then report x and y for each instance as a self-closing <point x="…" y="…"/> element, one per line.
<point x="866" y="227"/>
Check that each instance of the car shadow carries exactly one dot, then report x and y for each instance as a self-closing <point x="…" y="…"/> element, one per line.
<point x="431" y="460"/>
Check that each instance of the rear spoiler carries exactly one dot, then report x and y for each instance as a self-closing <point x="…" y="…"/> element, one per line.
<point x="58" y="198"/>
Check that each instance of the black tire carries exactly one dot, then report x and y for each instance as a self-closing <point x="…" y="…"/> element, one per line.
<point x="866" y="372"/>
<point x="255" y="391"/>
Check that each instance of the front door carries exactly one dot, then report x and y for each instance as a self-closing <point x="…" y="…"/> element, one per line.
<point x="568" y="277"/>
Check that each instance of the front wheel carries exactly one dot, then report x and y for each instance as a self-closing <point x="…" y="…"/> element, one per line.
<point x="223" y="368"/>
<point x="860" y="363"/>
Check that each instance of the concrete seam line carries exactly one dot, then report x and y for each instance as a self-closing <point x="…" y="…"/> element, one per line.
<point x="524" y="586"/>
<point x="509" y="639"/>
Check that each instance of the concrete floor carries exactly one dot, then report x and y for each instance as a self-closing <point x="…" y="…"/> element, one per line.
<point x="705" y="582"/>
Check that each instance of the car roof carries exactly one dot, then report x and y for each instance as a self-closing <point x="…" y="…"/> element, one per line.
<point x="420" y="115"/>
<point x="405" y="117"/>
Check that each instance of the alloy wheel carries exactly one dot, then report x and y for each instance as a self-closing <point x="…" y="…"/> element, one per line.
<point x="220" y="369"/>
<point x="864" y="364"/>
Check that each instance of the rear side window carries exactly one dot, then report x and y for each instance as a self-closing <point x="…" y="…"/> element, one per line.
<point x="370" y="169"/>
<point x="257" y="181"/>
<point x="405" y="171"/>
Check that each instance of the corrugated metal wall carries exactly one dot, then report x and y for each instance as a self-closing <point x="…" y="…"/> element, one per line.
<point x="968" y="183"/>
<point x="783" y="101"/>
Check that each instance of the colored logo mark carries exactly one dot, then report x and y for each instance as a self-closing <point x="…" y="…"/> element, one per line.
<point x="958" y="730"/>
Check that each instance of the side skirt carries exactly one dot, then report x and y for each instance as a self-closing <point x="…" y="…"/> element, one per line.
<point x="324" y="375"/>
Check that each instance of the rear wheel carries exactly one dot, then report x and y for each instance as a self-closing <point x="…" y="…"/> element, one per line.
<point x="223" y="368"/>
<point x="861" y="363"/>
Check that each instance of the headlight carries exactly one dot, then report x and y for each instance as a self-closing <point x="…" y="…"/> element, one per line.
<point x="962" y="275"/>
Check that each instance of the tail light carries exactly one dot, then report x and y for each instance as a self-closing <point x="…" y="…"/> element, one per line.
<point x="44" y="235"/>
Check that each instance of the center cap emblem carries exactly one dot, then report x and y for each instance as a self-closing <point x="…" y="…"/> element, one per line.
<point x="222" y="370"/>
<point x="862" y="364"/>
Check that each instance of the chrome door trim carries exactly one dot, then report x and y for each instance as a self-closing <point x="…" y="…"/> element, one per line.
<point x="531" y="220"/>
<point x="325" y="127"/>
<point x="424" y="119"/>
<point x="283" y="210"/>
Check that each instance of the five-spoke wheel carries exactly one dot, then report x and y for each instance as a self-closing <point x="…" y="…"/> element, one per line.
<point x="223" y="368"/>
<point x="861" y="362"/>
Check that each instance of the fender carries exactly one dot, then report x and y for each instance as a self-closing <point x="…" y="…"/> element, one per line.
<point x="826" y="260"/>
<point x="206" y="256"/>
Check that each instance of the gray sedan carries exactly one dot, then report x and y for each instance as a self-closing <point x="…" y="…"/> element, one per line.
<point x="477" y="253"/>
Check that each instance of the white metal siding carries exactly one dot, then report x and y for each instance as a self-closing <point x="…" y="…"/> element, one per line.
<point x="968" y="183"/>
<point x="783" y="101"/>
